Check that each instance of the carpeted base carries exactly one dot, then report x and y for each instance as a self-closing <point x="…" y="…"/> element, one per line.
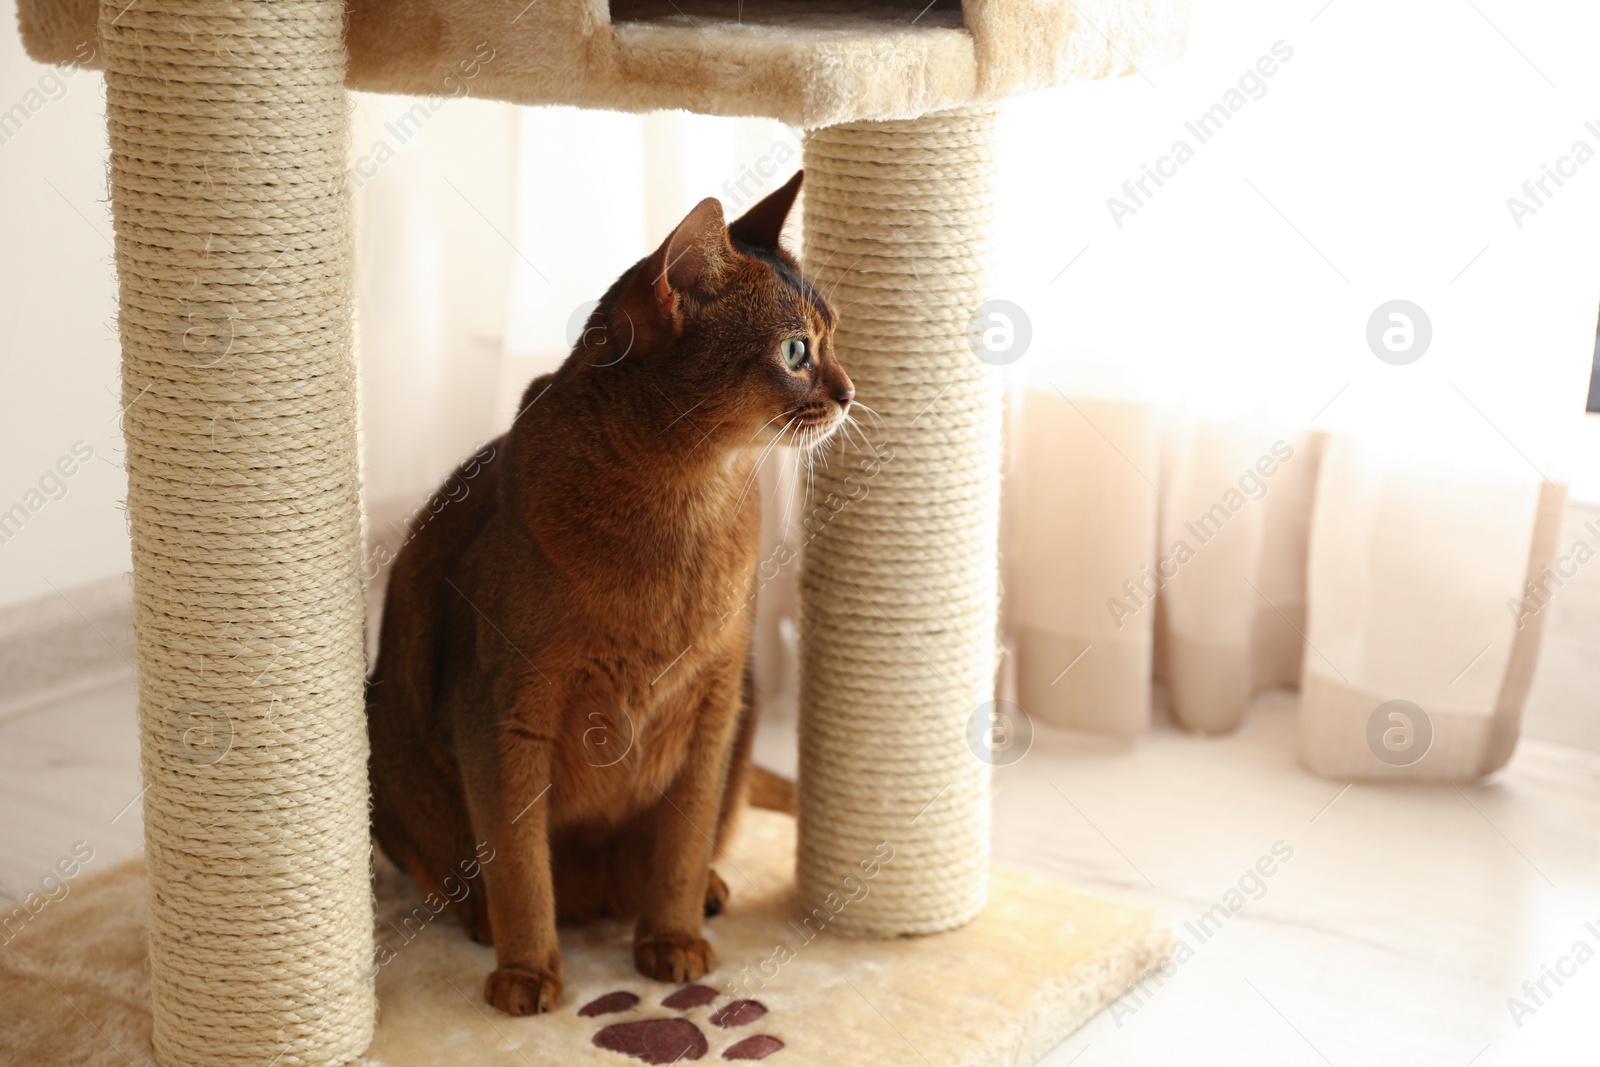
<point x="1004" y="989"/>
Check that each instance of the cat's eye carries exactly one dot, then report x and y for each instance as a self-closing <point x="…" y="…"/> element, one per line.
<point x="794" y="353"/>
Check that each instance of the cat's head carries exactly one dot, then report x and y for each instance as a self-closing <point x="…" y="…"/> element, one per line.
<point x="730" y="332"/>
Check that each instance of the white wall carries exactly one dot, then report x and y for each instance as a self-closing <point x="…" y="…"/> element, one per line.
<point x="433" y="190"/>
<point x="58" y="344"/>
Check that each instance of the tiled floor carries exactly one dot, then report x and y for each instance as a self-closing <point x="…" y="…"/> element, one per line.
<point x="1394" y="932"/>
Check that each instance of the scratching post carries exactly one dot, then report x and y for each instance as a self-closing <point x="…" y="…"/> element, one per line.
<point x="899" y="581"/>
<point x="229" y="133"/>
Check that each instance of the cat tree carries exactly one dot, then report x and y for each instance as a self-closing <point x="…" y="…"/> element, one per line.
<point x="229" y="133"/>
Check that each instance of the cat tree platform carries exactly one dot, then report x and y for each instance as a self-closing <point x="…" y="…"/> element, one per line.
<point x="806" y="62"/>
<point x="1001" y="990"/>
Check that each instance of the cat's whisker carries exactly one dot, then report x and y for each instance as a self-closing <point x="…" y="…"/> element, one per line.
<point x="869" y="410"/>
<point x="867" y="442"/>
<point x="777" y="484"/>
<point x="811" y="469"/>
<point x="869" y="434"/>
<point x="842" y="275"/>
<point x="772" y="420"/>
<point x="821" y="446"/>
<point x="802" y="489"/>
<point x="761" y="460"/>
<point x="788" y="504"/>
<point x="851" y="430"/>
<point x="755" y="469"/>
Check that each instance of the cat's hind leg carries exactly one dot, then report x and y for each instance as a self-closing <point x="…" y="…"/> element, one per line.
<point x="423" y="828"/>
<point x="716" y="894"/>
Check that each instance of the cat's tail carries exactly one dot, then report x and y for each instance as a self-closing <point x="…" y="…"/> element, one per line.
<point x="770" y="790"/>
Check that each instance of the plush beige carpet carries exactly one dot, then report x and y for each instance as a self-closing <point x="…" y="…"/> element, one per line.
<point x="1032" y="968"/>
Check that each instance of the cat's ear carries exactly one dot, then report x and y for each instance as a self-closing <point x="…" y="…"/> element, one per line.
<point x="688" y="257"/>
<point x="760" y="226"/>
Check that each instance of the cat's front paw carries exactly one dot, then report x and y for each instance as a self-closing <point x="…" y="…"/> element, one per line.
<point x="520" y="992"/>
<point x="673" y="959"/>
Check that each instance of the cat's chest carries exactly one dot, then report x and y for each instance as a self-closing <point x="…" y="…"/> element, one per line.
<point x="623" y="748"/>
<point x="658" y="642"/>
<point x="657" y="607"/>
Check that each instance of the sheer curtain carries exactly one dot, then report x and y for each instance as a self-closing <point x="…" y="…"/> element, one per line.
<point x="435" y="202"/>
<point x="1347" y="501"/>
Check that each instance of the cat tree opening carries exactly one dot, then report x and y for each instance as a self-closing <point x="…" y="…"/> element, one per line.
<point x="807" y="16"/>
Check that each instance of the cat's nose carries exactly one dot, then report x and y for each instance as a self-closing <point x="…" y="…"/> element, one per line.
<point x="844" y="396"/>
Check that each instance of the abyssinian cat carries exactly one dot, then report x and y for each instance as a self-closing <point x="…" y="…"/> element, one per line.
<point x="560" y="685"/>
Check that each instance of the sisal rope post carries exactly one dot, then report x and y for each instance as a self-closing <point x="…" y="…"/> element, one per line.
<point x="229" y="133"/>
<point x="899" y="582"/>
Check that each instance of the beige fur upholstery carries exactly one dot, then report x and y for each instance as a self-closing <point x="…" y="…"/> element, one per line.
<point x="807" y="62"/>
<point x="1002" y="990"/>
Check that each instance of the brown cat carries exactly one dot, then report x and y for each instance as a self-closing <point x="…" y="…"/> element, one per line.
<point x="561" y="686"/>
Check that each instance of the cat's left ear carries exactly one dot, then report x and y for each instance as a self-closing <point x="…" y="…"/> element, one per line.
<point x="690" y="256"/>
<point x="760" y="226"/>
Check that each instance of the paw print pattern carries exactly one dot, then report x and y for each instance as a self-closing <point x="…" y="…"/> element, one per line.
<point x="674" y="1040"/>
<point x="754" y="1047"/>
<point x="690" y="996"/>
<point x="738" y="1013"/>
<point x="654" y="1040"/>
<point x="609" y="1004"/>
